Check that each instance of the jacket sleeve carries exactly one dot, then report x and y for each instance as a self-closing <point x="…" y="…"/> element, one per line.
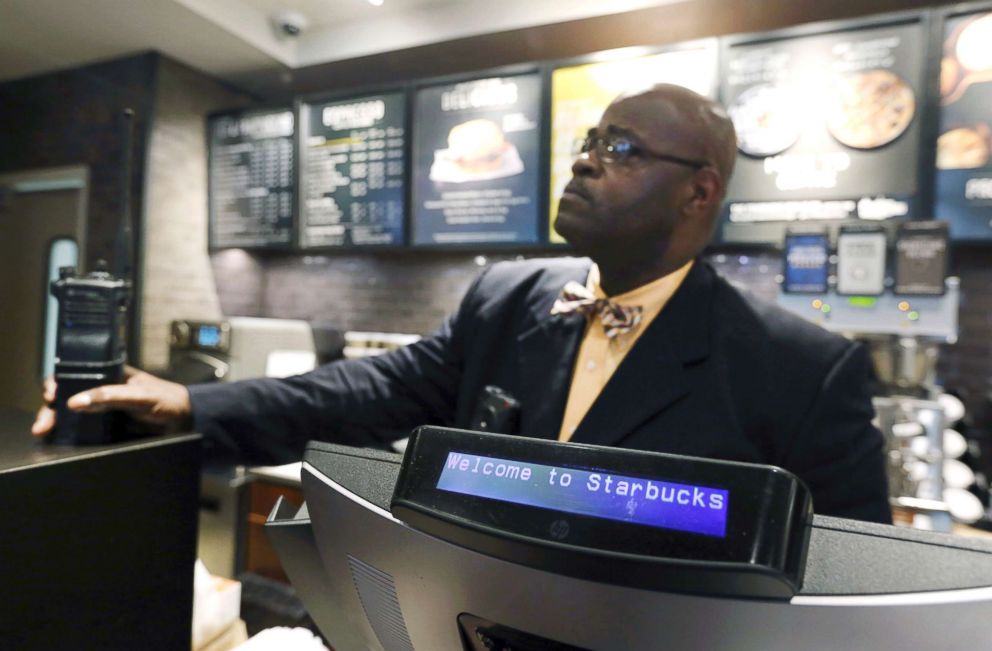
<point x="365" y="402"/>
<point x="840" y="454"/>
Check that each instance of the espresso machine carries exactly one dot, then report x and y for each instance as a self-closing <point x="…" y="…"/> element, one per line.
<point x="903" y="310"/>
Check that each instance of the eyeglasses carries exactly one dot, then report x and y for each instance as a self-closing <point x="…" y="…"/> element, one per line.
<point x="618" y="148"/>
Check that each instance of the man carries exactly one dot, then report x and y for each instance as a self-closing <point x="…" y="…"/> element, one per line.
<point x="707" y="374"/>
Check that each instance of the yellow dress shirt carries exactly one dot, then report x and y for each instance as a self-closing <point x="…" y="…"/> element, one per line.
<point x="598" y="356"/>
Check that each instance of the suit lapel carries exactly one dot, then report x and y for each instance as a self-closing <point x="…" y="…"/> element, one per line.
<point x="546" y="351"/>
<point x="652" y="376"/>
<point x="547" y="355"/>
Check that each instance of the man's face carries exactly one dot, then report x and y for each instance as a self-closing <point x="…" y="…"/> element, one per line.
<point x="631" y="203"/>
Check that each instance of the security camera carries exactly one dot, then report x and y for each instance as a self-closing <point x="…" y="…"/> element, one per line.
<point x="290" y="24"/>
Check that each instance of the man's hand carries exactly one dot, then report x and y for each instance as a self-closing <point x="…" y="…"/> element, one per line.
<point x="145" y="397"/>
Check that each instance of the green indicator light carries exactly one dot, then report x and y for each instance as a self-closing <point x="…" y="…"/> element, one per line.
<point x="914" y="316"/>
<point x="862" y="301"/>
<point x="825" y="308"/>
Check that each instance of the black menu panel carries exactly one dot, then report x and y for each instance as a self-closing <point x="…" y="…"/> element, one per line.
<point x="476" y="171"/>
<point x="964" y="146"/>
<point x="828" y="129"/>
<point x="352" y="177"/>
<point x="251" y="179"/>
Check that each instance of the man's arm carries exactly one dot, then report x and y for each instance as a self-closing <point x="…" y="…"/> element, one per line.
<point x="839" y="453"/>
<point x="355" y="402"/>
<point x="359" y="402"/>
<point x="269" y="420"/>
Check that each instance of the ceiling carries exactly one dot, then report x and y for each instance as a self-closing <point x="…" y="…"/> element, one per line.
<point x="240" y="41"/>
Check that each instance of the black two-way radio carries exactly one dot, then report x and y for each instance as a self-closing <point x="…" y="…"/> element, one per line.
<point x="91" y="340"/>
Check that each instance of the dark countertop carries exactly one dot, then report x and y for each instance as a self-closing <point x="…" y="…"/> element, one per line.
<point x="96" y="530"/>
<point x="18" y="449"/>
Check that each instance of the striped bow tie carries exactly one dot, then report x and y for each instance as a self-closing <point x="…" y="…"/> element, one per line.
<point x="617" y="319"/>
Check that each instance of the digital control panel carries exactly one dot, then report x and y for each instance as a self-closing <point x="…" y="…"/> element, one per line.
<point x="205" y="336"/>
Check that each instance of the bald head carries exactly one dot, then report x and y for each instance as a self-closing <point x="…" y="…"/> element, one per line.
<point x="704" y="128"/>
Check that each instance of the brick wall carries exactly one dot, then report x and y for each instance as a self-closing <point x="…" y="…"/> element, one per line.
<point x="178" y="281"/>
<point x="391" y="292"/>
<point x="413" y="291"/>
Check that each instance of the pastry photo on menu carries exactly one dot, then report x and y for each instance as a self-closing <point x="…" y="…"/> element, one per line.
<point x="967" y="58"/>
<point x="477" y="151"/>
<point x="766" y="120"/>
<point x="964" y="147"/>
<point x="870" y="109"/>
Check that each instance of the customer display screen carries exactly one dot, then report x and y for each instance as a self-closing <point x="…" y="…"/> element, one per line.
<point x="596" y="493"/>
<point x="567" y="506"/>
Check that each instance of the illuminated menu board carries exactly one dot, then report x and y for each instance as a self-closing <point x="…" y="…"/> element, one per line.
<point x="828" y="129"/>
<point x="251" y="179"/>
<point x="476" y="163"/>
<point x="964" y="146"/>
<point x="352" y="178"/>
<point x="580" y="94"/>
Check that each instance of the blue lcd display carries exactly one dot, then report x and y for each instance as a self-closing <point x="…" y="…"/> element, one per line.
<point x="806" y="260"/>
<point x="208" y="336"/>
<point x="601" y="494"/>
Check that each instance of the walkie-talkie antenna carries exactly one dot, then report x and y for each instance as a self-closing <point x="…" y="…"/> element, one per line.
<point x="123" y="247"/>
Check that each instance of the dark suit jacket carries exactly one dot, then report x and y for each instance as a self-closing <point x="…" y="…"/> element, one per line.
<point x="714" y="375"/>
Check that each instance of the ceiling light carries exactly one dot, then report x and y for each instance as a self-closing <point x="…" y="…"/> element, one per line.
<point x="376" y="3"/>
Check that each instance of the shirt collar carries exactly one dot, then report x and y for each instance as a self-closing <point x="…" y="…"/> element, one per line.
<point x="655" y="292"/>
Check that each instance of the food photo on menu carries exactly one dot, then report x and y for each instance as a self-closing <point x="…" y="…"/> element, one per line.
<point x="864" y="110"/>
<point x="475" y="162"/>
<point x="964" y="146"/>
<point x="477" y="151"/>
<point x="766" y="119"/>
<point x="967" y="58"/>
<point x="823" y="148"/>
<point x="870" y="109"/>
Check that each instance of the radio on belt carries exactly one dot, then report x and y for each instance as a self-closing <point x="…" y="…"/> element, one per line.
<point x="657" y="520"/>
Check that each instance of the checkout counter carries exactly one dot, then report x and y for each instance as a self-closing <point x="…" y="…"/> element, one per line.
<point x="98" y="543"/>
<point x="475" y="541"/>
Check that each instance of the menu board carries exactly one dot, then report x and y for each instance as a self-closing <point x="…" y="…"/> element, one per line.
<point x="251" y="179"/>
<point x="964" y="164"/>
<point x="580" y="94"/>
<point x="828" y="129"/>
<point x="476" y="164"/>
<point x="352" y="177"/>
